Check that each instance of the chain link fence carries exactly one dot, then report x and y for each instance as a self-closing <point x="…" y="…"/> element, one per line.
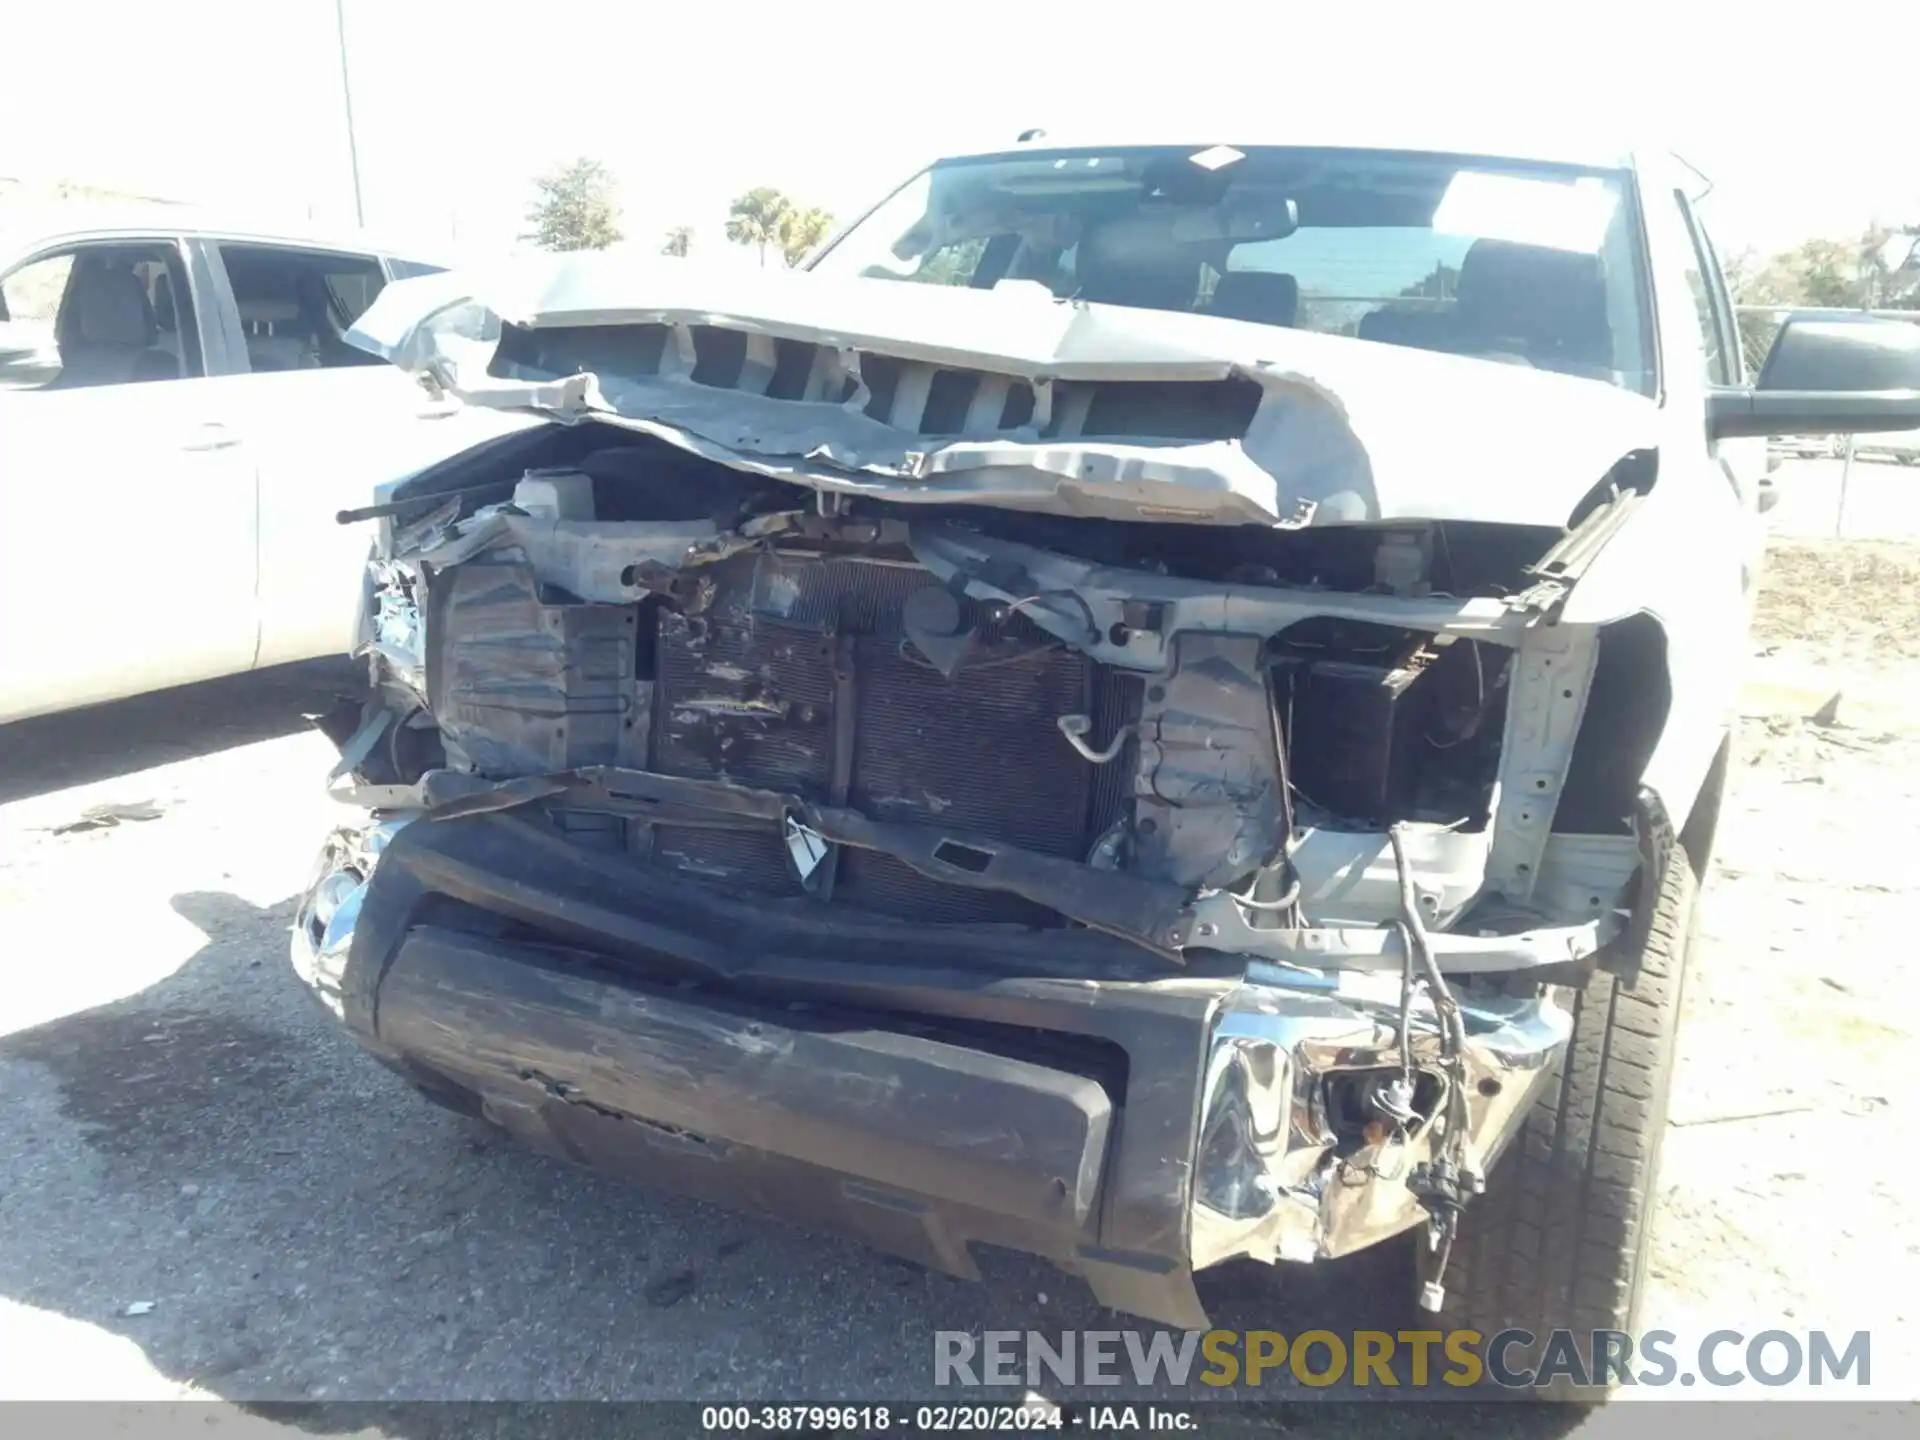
<point x="1758" y="325"/>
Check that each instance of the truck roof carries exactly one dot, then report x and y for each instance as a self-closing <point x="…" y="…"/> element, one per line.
<point x="25" y="225"/>
<point x="1507" y="142"/>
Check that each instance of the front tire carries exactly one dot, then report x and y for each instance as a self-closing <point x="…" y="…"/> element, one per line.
<point x="1559" y="1241"/>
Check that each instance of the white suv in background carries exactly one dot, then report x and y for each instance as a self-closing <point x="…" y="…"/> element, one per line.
<point x="180" y="422"/>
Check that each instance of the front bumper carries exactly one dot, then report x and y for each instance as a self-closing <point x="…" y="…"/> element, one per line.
<point x="918" y="1091"/>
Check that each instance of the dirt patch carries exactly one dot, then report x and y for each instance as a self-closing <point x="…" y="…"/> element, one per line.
<point x="1850" y="603"/>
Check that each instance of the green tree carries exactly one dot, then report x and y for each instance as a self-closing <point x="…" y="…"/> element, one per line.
<point x="760" y="218"/>
<point x="804" y="230"/>
<point x="678" y="241"/>
<point x="768" y="220"/>
<point x="577" y="208"/>
<point x="1820" y="272"/>
<point x="952" y="264"/>
<point x="1740" y="269"/>
<point x="1815" y="272"/>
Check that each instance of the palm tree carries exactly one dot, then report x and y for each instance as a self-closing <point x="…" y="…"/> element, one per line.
<point x="761" y="217"/>
<point x="679" y="241"/>
<point x="803" y="231"/>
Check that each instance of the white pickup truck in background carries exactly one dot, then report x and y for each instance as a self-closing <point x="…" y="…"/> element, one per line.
<point x="180" y="422"/>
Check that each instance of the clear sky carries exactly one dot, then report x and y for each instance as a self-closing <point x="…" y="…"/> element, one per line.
<point x="1803" y="116"/>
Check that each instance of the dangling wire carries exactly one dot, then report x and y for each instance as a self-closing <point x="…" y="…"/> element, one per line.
<point x="1014" y="607"/>
<point x="1453" y="1030"/>
<point x="1444" y="1218"/>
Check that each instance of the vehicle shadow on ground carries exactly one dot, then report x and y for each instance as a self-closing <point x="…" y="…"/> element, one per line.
<point x="100" y="742"/>
<point x="215" y="1174"/>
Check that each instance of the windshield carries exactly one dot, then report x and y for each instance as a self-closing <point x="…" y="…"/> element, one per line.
<point x="1521" y="264"/>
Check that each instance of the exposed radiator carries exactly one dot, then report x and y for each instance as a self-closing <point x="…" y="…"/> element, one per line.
<point x="792" y="657"/>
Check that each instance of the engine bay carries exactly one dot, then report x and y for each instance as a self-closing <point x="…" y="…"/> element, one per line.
<point x="1193" y="736"/>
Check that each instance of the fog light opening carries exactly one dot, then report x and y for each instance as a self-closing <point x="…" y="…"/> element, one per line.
<point x="1369" y="1107"/>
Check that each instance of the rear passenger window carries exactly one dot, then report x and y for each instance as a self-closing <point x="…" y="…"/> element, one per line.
<point x="296" y="306"/>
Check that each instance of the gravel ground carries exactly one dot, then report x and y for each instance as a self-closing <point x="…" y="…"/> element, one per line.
<point x="209" y="1192"/>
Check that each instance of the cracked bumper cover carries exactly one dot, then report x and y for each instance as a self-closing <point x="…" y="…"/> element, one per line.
<point x="880" y="1106"/>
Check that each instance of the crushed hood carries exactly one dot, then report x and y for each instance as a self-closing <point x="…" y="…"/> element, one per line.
<point x="1340" y="431"/>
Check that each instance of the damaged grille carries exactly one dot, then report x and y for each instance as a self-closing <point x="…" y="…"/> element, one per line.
<point x="909" y="395"/>
<point x="796" y="674"/>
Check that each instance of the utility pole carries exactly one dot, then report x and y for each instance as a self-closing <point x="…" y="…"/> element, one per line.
<point x="1869" y="276"/>
<point x="346" y="93"/>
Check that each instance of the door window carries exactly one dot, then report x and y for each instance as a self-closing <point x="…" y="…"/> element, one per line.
<point x="296" y="306"/>
<point x="106" y="313"/>
<point x="1719" y="342"/>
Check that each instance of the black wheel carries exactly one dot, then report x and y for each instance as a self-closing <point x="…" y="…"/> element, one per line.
<point x="1559" y="1240"/>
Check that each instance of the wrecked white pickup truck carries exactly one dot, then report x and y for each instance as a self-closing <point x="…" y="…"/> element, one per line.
<point x="1159" y="704"/>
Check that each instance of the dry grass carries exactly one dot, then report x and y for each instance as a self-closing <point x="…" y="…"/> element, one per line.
<point x="1849" y="603"/>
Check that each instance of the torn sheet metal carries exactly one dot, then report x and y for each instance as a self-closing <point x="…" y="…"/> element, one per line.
<point x="1086" y="605"/>
<point x="1346" y="431"/>
<point x="395" y="633"/>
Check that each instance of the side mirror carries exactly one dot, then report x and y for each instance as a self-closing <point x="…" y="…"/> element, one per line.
<point x="1827" y="376"/>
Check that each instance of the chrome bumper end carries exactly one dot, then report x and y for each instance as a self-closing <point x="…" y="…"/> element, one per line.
<point x="330" y="905"/>
<point x="1283" y="1172"/>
